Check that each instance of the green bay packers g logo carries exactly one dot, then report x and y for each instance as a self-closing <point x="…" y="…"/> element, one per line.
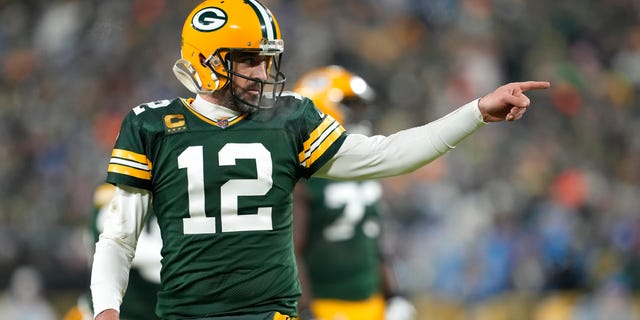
<point x="209" y="19"/>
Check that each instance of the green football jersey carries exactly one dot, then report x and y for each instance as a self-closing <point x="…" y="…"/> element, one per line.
<point x="342" y="253"/>
<point x="222" y="194"/>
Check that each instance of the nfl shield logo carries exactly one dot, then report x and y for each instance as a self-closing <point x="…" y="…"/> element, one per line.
<point x="223" y="123"/>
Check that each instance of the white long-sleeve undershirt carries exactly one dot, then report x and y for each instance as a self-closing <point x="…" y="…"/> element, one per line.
<point x="116" y="246"/>
<point x="360" y="157"/>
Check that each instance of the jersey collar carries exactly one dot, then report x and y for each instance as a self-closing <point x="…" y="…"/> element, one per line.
<point x="213" y="113"/>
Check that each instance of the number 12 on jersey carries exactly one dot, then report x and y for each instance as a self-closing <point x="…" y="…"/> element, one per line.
<point x="192" y="160"/>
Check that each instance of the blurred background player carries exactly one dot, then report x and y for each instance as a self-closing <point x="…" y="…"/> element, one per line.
<point x="25" y="298"/>
<point x="342" y="269"/>
<point x="139" y="301"/>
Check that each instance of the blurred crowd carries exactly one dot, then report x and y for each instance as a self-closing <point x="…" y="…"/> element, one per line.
<point x="545" y="205"/>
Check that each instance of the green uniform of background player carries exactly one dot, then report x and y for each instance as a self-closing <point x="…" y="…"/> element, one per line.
<point x="219" y="170"/>
<point x="342" y="253"/>
<point x="338" y="224"/>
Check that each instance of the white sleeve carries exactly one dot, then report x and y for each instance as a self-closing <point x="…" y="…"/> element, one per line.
<point x="362" y="157"/>
<point x="116" y="246"/>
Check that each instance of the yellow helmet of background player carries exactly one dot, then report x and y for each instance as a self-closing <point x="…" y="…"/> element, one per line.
<point x="335" y="91"/>
<point x="214" y="31"/>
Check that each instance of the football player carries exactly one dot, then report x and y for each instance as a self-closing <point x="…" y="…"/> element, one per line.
<point x="343" y="272"/>
<point x="139" y="302"/>
<point x="218" y="170"/>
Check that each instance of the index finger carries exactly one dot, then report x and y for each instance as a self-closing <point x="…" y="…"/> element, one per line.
<point x="533" y="85"/>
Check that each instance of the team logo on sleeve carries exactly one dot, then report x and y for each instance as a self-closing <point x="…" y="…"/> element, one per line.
<point x="209" y="19"/>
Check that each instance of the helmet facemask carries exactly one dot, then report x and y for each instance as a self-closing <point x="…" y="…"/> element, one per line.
<point x="221" y="63"/>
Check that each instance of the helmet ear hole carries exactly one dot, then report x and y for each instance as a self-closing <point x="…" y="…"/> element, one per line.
<point x="215" y="61"/>
<point x="212" y="65"/>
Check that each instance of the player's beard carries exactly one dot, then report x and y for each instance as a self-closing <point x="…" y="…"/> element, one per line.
<point x="226" y="98"/>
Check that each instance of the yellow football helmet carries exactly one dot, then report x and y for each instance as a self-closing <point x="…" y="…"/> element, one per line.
<point x="214" y="31"/>
<point x="336" y="91"/>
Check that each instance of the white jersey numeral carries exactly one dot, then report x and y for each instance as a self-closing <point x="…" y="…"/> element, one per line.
<point x="354" y="197"/>
<point x="198" y="223"/>
<point x="151" y="105"/>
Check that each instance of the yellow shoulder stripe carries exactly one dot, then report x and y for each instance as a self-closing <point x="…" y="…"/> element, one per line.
<point x="137" y="173"/>
<point x="320" y="139"/>
<point x="129" y="155"/>
<point x="130" y="163"/>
